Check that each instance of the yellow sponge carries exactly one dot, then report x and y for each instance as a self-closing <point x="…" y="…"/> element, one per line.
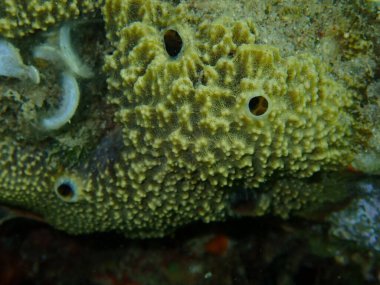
<point x="197" y="108"/>
<point x="19" y="18"/>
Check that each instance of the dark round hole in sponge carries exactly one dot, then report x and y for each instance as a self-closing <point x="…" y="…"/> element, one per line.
<point x="173" y="42"/>
<point x="66" y="191"/>
<point x="258" y="105"/>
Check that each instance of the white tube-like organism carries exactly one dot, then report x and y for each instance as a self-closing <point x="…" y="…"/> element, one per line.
<point x="11" y="64"/>
<point x="62" y="53"/>
<point x="48" y="53"/>
<point x="68" y="106"/>
<point x="71" y="59"/>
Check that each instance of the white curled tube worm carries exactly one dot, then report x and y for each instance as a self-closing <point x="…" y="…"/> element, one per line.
<point x="11" y="64"/>
<point x="71" y="59"/>
<point x="63" y="53"/>
<point x="68" y="106"/>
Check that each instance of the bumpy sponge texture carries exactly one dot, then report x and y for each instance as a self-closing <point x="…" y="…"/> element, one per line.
<point x="18" y="18"/>
<point x="201" y="110"/>
<point x="29" y="175"/>
<point x="186" y="131"/>
<point x="21" y="171"/>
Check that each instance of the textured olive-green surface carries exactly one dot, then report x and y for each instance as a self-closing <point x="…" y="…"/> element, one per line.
<point x="20" y="17"/>
<point x="174" y="136"/>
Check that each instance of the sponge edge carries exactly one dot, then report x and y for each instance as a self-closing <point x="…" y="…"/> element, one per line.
<point x="20" y="18"/>
<point x="69" y="104"/>
<point x="368" y="160"/>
